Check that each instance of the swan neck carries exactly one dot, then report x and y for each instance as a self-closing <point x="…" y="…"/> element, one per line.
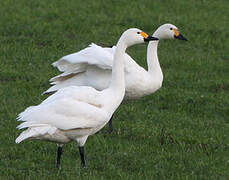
<point x="152" y="58"/>
<point x="117" y="80"/>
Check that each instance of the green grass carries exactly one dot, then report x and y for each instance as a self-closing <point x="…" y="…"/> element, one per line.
<point x="180" y="132"/>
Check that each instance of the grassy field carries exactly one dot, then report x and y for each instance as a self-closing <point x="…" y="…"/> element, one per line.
<point x="180" y="132"/>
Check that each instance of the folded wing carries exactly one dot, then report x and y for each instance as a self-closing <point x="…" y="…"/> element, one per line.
<point x="69" y="108"/>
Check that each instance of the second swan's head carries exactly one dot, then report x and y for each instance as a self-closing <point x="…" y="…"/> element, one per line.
<point x="168" y="31"/>
<point x="136" y="36"/>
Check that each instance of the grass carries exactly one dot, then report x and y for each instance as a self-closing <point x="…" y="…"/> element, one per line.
<point x="180" y="132"/>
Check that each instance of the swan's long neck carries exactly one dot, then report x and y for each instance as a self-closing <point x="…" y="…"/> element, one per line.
<point x="117" y="80"/>
<point x="154" y="68"/>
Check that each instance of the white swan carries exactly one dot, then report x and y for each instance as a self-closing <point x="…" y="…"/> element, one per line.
<point x="92" y="67"/>
<point x="74" y="113"/>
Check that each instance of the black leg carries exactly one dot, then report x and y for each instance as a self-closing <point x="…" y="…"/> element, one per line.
<point x="59" y="153"/>
<point x="82" y="156"/>
<point x="111" y="125"/>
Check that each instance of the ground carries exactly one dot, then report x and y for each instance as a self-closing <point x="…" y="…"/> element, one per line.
<point x="179" y="132"/>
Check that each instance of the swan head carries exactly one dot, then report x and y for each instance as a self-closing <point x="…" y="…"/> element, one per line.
<point x="168" y="31"/>
<point x="136" y="36"/>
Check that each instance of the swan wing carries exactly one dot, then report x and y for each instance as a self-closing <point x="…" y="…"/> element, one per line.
<point x="81" y="93"/>
<point x="92" y="55"/>
<point x="89" y="67"/>
<point x="64" y="111"/>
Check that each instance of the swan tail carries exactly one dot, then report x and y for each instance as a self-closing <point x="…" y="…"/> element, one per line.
<point x="26" y="135"/>
<point x="35" y="131"/>
<point x="22" y="116"/>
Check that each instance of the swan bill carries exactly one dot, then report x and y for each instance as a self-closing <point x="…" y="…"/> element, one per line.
<point x="147" y="37"/>
<point x="181" y="37"/>
<point x="150" y="38"/>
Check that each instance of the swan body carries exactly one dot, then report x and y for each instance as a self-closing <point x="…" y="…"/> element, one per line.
<point x="76" y="112"/>
<point x="92" y="66"/>
<point x="95" y="71"/>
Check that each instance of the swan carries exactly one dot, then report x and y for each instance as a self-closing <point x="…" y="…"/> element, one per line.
<point x="74" y="113"/>
<point x="92" y="67"/>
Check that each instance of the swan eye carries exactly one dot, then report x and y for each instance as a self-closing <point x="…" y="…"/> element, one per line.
<point x="138" y="32"/>
<point x="171" y="28"/>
